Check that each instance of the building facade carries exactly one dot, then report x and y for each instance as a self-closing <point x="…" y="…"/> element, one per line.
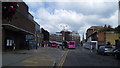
<point x="75" y="36"/>
<point x="14" y="31"/>
<point x="45" y="35"/>
<point x="102" y="37"/>
<point x="66" y="35"/>
<point x="91" y="34"/>
<point x="37" y="34"/>
<point x="56" y="37"/>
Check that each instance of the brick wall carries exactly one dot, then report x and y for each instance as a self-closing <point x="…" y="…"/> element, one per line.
<point x="101" y="37"/>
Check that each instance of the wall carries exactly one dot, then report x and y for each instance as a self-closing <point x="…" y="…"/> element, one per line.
<point x="16" y="29"/>
<point x="101" y="37"/>
<point x="111" y="37"/>
<point x="0" y="35"/>
<point x="89" y="32"/>
<point x="21" y="20"/>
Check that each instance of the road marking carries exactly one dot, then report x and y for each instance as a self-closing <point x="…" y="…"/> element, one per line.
<point x="29" y="61"/>
<point x="36" y="61"/>
<point x="63" y="59"/>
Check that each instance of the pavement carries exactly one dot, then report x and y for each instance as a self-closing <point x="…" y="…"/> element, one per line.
<point x="43" y="56"/>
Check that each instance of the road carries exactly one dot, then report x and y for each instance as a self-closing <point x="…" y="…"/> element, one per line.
<point x="67" y="57"/>
<point x="84" y="57"/>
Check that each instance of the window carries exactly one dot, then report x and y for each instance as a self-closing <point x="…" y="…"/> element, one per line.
<point x="9" y="42"/>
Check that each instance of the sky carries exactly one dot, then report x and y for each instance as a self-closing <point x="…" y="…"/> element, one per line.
<point x="77" y="15"/>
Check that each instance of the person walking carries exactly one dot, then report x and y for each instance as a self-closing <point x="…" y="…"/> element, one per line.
<point x="63" y="45"/>
<point x="14" y="46"/>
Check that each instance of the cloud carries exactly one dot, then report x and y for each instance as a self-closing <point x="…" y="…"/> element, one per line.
<point x="67" y="17"/>
<point x="78" y="16"/>
<point x="70" y="0"/>
<point x="112" y="20"/>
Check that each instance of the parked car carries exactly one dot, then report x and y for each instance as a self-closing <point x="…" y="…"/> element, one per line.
<point x="105" y="50"/>
<point x="54" y="45"/>
<point x="117" y="53"/>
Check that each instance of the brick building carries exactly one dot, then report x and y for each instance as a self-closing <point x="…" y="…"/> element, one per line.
<point x="102" y="36"/>
<point x="16" y="30"/>
<point x="37" y="34"/>
<point x="45" y="35"/>
<point x="91" y="34"/>
<point x="75" y="36"/>
<point x="56" y="37"/>
<point x="66" y="35"/>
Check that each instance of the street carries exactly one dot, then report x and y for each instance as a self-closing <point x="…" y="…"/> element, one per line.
<point x="84" y="57"/>
<point x="49" y="56"/>
<point x="58" y="34"/>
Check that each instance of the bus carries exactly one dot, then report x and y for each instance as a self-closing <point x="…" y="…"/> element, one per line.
<point x="71" y="44"/>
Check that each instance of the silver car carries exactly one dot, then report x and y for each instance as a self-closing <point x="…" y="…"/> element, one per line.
<point x="105" y="50"/>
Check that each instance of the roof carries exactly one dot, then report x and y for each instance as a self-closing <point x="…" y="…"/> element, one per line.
<point x="96" y="27"/>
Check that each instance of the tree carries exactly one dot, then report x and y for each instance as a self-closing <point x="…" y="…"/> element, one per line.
<point x="105" y="26"/>
<point x="109" y="28"/>
<point x="117" y="29"/>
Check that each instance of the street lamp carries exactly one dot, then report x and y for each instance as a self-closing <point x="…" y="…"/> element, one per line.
<point x="63" y="26"/>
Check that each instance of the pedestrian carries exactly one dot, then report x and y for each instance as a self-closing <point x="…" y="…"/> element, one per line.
<point x="62" y="45"/>
<point x="37" y="44"/>
<point x="81" y="43"/>
<point x="14" y="46"/>
<point x="65" y="44"/>
<point x="42" y="44"/>
<point x="28" y="47"/>
<point x="108" y="43"/>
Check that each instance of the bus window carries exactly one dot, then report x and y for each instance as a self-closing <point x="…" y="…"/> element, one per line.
<point x="71" y="43"/>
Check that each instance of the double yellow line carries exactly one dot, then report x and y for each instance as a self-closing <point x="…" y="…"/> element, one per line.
<point x="63" y="59"/>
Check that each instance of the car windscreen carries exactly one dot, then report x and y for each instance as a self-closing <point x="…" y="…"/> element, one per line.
<point x="108" y="47"/>
<point x="101" y="47"/>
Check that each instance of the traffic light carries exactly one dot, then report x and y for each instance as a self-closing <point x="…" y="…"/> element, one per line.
<point x="9" y="9"/>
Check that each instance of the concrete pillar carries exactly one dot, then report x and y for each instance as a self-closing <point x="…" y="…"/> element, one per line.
<point x="0" y="34"/>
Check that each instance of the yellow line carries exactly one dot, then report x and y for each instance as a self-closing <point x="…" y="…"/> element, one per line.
<point x="28" y="61"/>
<point x="63" y="59"/>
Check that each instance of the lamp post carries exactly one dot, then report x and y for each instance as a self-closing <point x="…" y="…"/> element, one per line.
<point x="63" y="26"/>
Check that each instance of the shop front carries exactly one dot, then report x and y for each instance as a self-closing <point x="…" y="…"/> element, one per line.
<point x="13" y="38"/>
